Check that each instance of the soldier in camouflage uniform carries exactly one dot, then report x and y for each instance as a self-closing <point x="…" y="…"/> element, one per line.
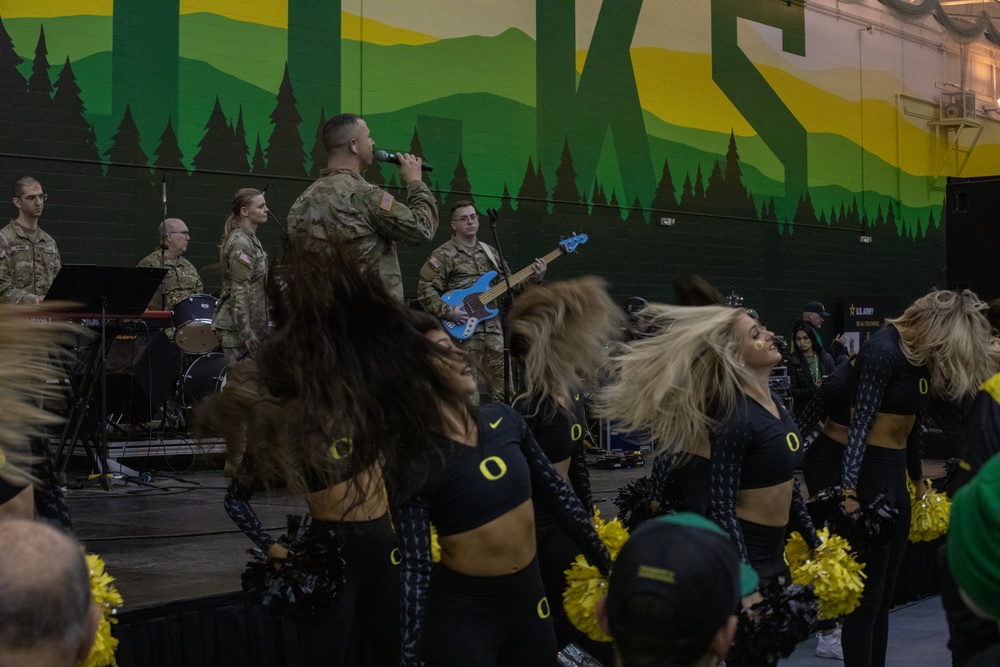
<point x="241" y="318"/>
<point x="29" y="262"/>
<point x="342" y="203"/>
<point x="29" y="258"/>
<point x="182" y="279"/>
<point x="459" y="263"/>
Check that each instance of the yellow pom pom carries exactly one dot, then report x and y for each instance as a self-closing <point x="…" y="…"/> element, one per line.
<point x="929" y="515"/>
<point x="614" y="535"/>
<point x="831" y="569"/>
<point x="109" y="600"/>
<point x="585" y="586"/>
<point x="435" y="545"/>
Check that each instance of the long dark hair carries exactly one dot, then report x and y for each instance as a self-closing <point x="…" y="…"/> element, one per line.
<point x="348" y="366"/>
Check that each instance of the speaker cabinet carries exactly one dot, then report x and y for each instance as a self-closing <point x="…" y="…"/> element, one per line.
<point x="972" y="224"/>
<point x="141" y="371"/>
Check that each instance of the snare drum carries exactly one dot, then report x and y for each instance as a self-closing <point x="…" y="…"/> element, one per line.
<point x="192" y="319"/>
<point x="205" y="376"/>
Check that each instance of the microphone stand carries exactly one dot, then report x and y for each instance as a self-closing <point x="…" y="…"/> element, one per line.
<point x="281" y="228"/>
<point x="505" y="302"/>
<point x="163" y="247"/>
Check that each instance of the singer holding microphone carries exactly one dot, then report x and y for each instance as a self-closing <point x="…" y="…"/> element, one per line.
<point x="182" y="279"/>
<point x="342" y="203"/>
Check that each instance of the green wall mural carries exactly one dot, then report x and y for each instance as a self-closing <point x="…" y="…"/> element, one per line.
<point x="771" y="144"/>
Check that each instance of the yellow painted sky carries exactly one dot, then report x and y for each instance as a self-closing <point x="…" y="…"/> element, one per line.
<point x="264" y="12"/>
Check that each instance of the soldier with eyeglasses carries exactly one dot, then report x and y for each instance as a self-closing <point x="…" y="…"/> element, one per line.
<point x="29" y="258"/>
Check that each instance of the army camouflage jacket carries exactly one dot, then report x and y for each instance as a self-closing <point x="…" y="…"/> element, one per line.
<point x="369" y="218"/>
<point x="243" y="305"/>
<point x="182" y="280"/>
<point x="27" y="267"/>
<point x="454" y="266"/>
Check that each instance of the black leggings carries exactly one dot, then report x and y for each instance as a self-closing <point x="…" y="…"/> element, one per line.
<point x="361" y="627"/>
<point x="766" y="549"/>
<point x="556" y="553"/>
<point x="866" y="629"/>
<point x="821" y="465"/>
<point x="489" y="621"/>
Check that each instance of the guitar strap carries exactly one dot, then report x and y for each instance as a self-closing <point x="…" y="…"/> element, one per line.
<point x="489" y="253"/>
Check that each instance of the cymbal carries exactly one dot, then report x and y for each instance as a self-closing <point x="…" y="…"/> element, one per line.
<point x="215" y="268"/>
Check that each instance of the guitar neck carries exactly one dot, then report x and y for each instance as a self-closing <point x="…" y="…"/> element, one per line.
<point x="501" y="288"/>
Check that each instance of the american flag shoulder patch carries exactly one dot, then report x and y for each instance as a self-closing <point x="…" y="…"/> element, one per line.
<point x="246" y="259"/>
<point x="386" y="203"/>
<point x="435" y="262"/>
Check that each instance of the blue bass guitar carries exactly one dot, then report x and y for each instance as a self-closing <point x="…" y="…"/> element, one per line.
<point x="475" y="298"/>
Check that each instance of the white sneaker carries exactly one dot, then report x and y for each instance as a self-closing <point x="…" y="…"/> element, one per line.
<point x="829" y="646"/>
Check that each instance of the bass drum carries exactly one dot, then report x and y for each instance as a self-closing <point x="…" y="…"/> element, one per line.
<point x="205" y="376"/>
<point x="192" y="319"/>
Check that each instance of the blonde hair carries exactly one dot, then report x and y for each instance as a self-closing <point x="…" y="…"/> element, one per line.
<point x="948" y="332"/>
<point x="562" y="332"/>
<point x="675" y="385"/>
<point x="241" y="200"/>
<point x="35" y="343"/>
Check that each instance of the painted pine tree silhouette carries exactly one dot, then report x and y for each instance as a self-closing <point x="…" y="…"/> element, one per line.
<point x="805" y="214"/>
<point x="418" y="150"/>
<point x="239" y="146"/>
<point x="714" y="192"/>
<point x="665" y="197"/>
<point x="687" y="202"/>
<point x="13" y="107"/>
<point x="257" y="164"/>
<point x="565" y="196"/>
<point x="738" y="200"/>
<point x="215" y="146"/>
<point x="284" y="152"/>
<point x="72" y="137"/>
<point x="318" y="153"/>
<point x="890" y="217"/>
<point x="125" y="154"/>
<point x="636" y="216"/>
<point x="506" y="209"/>
<point x="40" y="85"/>
<point x="699" y="192"/>
<point x="460" y="188"/>
<point x="168" y="152"/>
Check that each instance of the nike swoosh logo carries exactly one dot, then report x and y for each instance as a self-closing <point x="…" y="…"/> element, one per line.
<point x="496" y="423"/>
<point x="577" y="397"/>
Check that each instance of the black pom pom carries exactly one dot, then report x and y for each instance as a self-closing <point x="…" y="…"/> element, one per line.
<point x="310" y="578"/>
<point x="774" y="627"/>
<point x="633" y="503"/>
<point x="868" y="530"/>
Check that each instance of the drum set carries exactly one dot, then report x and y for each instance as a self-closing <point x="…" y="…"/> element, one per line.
<point x="204" y="366"/>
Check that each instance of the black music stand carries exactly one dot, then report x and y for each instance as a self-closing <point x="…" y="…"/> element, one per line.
<point x="100" y="290"/>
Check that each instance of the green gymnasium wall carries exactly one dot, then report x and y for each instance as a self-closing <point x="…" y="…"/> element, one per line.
<point x="774" y="134"/>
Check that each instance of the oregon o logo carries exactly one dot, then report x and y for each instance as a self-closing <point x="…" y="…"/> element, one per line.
<point x="576" y="432"/>
<point x="792" y="439"/>
<point x="543" y="608"/>
<point x="335" y="452"/>
<point x="484" y="468"/>
<point x="396" y="557"/>
<point x="924" y="386"/>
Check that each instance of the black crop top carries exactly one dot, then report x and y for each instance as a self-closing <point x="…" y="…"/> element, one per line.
<point x="754" y="450"/>
<point x="884" y="381"/>
<point x="559" y="432"/>
<point x="832" y="401"/>
<point x="502" y="434"/>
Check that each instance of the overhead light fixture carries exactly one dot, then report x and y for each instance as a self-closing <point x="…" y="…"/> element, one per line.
<point x="991" y="106"/>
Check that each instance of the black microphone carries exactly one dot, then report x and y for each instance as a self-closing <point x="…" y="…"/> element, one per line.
<point x="266" y="186"/>
<point x="383" y="156"/>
